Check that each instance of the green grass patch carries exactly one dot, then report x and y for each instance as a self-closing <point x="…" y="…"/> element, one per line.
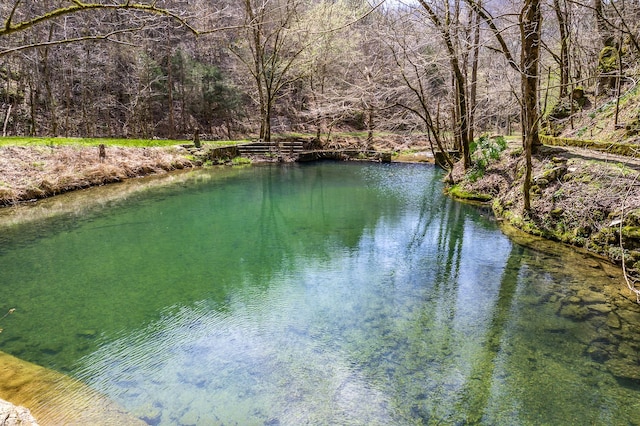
<point x="133" y="143"/>
<point x="240" y="161"/>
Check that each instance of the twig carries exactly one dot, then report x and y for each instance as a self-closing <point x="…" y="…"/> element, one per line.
<point x="9" y="312"/>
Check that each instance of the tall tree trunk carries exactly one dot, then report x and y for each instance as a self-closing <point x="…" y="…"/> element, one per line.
<point x="32" y="107"/>
<point x="265" y="118"/>
<point x="605" y="32"/>
<point x="473" y="90"/>
<point x="462" y="124"/>
<point x="370" y="127"/>
<point x="172" y="118"/>
<point x="563" y="26"/>
<point x="267" y="126"/>
<point x="530" y="22"/>
<point x="50" y="98"/>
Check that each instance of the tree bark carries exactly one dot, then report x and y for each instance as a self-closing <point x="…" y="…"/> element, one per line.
<point x="473" y="90"/>
<point x="563" y="26"/>
<point x="530" y="22"/>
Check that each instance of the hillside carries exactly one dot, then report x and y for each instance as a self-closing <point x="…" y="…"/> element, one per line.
<point x="602" y="118"/>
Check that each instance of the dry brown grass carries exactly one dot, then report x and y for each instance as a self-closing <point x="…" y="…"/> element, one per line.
<point x="28" y="173"/>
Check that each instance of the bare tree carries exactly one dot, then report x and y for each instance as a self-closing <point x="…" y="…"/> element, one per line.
<point x="19" y="16"/>
<point x="421" y="79"/>
<point x="444" y="25"/>
<point x="269" y="45"/>
<point x="330" y="64"/>
<point x="560" y="7"/>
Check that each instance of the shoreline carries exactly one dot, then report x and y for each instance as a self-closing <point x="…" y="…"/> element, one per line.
<point x="583" y="199"/>
<point x="46" y="397"/>
<point x="39" y="172"/>
<point x="33" y="173"/>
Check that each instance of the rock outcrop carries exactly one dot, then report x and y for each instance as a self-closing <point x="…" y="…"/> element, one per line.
<point x="12" y="415"/>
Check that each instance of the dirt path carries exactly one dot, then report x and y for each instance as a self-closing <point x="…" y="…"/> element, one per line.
<point x="590" y="154"/>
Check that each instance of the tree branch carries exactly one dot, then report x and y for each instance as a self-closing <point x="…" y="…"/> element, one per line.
<point x="70" y="40"/>
<point x="79" y="6"/>
<point x="486" y="16"/>
<point x="7" y="23"/>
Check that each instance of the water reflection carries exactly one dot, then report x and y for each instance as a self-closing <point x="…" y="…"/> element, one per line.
<point x="477" y="390"/>
<point x="327" y="294"/>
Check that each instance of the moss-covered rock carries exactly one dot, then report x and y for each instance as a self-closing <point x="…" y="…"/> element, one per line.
<point x="460" y="193"/>
<point x="627" y="149"/>
<point x="608" y="59"/>
<point x="632" y="128"/>
<point x="632" y="232"/>
<point x="575" y="312"/>
<point x="623" y="369"/>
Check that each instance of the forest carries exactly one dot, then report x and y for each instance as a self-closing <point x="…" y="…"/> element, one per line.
<point x="448" y="70"/>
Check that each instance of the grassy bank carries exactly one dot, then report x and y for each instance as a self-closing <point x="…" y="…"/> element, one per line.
<point x="89" y="142"/>
<point x="37" y="167"/>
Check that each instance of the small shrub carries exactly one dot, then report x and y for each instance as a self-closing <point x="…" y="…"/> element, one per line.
<point x="559" y="194"/>
<point x="240" y="161"/>
<point x="483" y="151"/>
<point x="476" y="173"/>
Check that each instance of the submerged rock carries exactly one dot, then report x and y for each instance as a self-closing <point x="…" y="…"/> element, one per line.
<point x="602" y="308"/>
<point x="598" y="352"/>
<point x="623" y="369"/>
<point x="575" y="312"/>
<point x="613" y="320"/>
<point x="12" y="415"/>
<point x="590" y="297"/>
<point x="190" y="418"/>
<point x="150" y="414"/>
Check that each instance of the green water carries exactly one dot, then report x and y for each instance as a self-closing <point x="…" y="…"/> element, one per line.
<point x="324" y="294"/>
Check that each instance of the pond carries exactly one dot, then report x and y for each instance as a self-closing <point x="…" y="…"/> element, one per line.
<point x="327" y="293"/>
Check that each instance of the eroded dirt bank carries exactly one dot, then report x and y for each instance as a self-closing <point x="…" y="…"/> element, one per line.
<point x="28" y="173"/>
